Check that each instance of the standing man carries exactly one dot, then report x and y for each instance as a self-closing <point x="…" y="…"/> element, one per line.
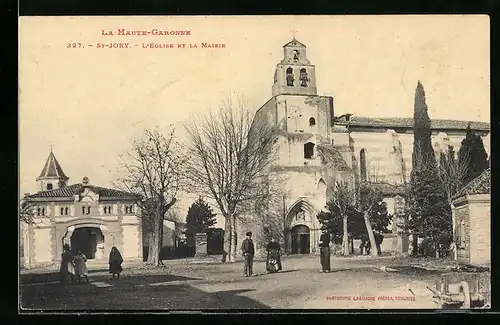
<point x="248" y="250"/>
<point x="324" y="250"/>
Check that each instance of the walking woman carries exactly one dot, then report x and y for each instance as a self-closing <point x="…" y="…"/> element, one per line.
<point x="273" y="262"/>
<point x="67" y="269"/>
<point x="115" y="262"/>
<point x="81" y="269"/>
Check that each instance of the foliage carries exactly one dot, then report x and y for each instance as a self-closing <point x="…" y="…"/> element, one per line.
<point x="153" y="172"/>
<point x="27" y="212"/>
<point x="452" y="173"/>
<point x="473" y="155"/>
<point x="430" y="212"/>
<point x="342" y="201"/>
<point x="200" y="218"/>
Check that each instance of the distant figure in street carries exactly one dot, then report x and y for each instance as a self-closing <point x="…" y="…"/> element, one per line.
<point x="67" y="269"/>
<point x="324" y="250"/>
<point x="248" y="251"/>
<point x="115" y="262"/>
<point x="81" y="270"/>
<point x="273" y="262"/>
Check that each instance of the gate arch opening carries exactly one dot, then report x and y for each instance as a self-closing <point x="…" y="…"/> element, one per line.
<point x="90" y="240"/>
<point x="300" y="239"/>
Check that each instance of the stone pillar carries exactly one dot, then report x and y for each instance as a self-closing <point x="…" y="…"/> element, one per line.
<point x="402" y="242"/>
<point x="200" y="245"/>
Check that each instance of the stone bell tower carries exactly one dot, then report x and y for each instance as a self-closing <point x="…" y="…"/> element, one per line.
<point x="294" y="75"/>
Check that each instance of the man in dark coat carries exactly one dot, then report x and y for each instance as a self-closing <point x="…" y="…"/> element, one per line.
<point x="248" y="250"/>
<point x="324" y="250"/>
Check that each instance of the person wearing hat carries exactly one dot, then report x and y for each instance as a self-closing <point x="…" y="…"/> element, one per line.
<point x="324" y="250"/>
<point x="248" y="251"/>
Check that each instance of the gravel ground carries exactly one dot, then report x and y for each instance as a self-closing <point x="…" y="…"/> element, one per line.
<point x="182" y="285"/>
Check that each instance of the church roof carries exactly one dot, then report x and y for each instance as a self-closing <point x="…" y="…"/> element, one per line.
<point x="52" y="168"/>
<point x="72" y="190"/>
<point x="294" y="42"/>
<point x="479" y="185"/>
<point x="330" y="155"/>
<point x="407" y="122"/>
<point x="387" y="189"/>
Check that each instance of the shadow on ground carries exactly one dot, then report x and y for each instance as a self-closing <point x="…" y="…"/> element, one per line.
<point x="123" y="295"/>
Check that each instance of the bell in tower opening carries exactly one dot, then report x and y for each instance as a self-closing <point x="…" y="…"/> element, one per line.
<point x="304" y="80"/>
<point x="296" y="55"/>
<point x="289" y="77"/>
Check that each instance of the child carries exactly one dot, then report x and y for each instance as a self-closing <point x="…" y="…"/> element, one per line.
<point x="115" y="262"/>
<point x="81" y="270"/>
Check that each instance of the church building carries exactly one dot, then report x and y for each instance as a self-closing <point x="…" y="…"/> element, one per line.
<point x="85" y="216"/>
<point x="318" y="147"/>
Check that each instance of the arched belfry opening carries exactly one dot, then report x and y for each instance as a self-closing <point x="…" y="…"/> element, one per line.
<point x="289" y="77"/>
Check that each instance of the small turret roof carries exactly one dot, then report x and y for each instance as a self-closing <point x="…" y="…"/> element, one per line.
<point x="52" y="168"/>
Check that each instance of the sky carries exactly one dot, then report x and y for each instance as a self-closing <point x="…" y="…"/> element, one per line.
<point x="88" y="103"/>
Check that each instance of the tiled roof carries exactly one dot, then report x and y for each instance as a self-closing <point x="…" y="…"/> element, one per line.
<point x="70" y="191"/>
<point x="479" y="185"/>
<point x="330" y="155"/>
<point x="407" y="122"/>
<point x="52" y="168"/>
<point x="387" y="189"/>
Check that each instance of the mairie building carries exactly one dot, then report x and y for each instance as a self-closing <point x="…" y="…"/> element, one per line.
<point x="85" y="216"/>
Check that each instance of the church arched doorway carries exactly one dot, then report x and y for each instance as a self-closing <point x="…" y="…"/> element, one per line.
<point x="300" y="239"/>
<point x="90" y="240"/>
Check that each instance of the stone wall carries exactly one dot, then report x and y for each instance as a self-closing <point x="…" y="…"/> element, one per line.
<point x="475" y="246"/>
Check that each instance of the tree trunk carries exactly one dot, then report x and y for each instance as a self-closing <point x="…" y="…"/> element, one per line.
<point x="156" y="241"/>
<point x="352" y="245"/>
<point x="150" y="245"/>
<point x="345" y="237"/>
<point x="373" y="250"/>
<point x="227" y="240"/>
<point x="232" y="252"/>
<point x="415" y="245"/>
<point x="436" y="247"/>
<point x="160" y="242"/>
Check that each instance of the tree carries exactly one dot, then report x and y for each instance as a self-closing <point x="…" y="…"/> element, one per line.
<point x="374" y="210"/>
<point x="341" y="203"/>
<point x="430" y="213"/>
<point x="365" y="213"/>
<point x="152" y="172"/>
<point x="200" y="218"/>
<point x="452" y="173"/>
<point x="27" y="211"/>
<point x="473" y="155"/>
<point x="229" y="159"/>
<point x="424" y="171"/>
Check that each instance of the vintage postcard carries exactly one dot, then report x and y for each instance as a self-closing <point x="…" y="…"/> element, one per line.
<point x="254" y="162"/>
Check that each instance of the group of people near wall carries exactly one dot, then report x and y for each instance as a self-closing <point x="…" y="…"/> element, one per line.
<point x="74" y="266"/>
<point x="273" y="260"/>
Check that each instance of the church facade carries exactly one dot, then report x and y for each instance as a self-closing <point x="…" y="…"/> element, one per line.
<point x="85" y="216"/>
<point x="318" y="147"/>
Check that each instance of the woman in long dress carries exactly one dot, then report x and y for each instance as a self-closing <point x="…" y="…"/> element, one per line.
<point x="115" y="262"/>
<point x="67" y="269"/>
<point x="273" y="262"/>
<point x="81" y="269"/>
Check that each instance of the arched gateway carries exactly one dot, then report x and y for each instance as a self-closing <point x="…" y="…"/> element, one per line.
<point x="301" y="228"/>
